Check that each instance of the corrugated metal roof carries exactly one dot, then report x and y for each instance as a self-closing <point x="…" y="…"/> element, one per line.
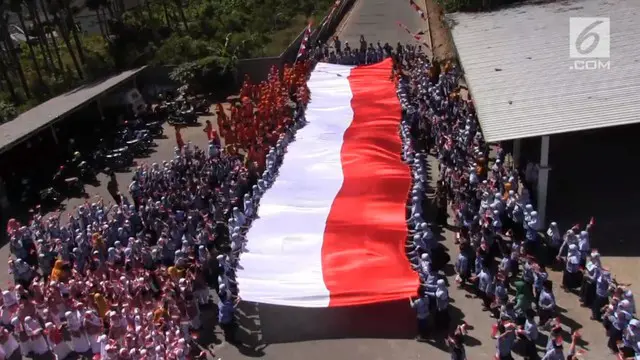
<point x="517" y="65"/>
<point x="52" y="110"/>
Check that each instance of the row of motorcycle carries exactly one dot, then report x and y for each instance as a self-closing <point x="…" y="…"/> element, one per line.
<point x="116" y="153"/>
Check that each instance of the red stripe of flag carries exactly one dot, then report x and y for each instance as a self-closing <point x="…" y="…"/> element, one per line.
<point x="363" y="254"/>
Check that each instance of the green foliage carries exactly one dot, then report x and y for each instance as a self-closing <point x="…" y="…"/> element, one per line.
<point x="203" y="38"/>
<point x="7" y="111"/>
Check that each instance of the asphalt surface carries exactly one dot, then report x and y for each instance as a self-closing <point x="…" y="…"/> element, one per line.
<point x="382" y="331"/>
<point x="377" y="20"/>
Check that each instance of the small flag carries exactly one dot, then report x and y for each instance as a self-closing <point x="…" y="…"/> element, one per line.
<point x="305" y="40"/>
<point x="415" y="36"/>
<point x="418" y="10"/>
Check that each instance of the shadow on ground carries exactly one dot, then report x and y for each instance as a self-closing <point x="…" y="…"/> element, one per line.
<point x="283" y="324"/>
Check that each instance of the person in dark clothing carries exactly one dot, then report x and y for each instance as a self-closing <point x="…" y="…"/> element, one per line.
<point x="112" y="187"/>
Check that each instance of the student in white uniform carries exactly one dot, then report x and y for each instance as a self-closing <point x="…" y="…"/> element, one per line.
<point x="79" y="341"/>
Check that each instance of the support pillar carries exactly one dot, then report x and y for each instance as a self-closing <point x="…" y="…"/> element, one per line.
<point x="99" y="105"/>
<point x="55" y="136"/>
<point x="543" y="180"/>
<point x="517" y="143"/>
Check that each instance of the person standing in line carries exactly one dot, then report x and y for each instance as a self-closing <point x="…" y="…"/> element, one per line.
<point x="421" y="305"/>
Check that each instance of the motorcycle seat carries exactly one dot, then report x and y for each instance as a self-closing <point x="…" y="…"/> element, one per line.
<point x="71" y="179"/>
<point x="119" y="150"/>
<point x="132" y="142"/>
<point x="82" y="163"/>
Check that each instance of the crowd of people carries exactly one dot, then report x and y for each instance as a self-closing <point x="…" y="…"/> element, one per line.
<point x="502" y="244"/>
<point x="365" y="53"/>
<point x="127" y="280"/>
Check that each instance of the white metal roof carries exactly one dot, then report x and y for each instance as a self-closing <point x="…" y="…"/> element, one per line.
<point x="517" y="65"/>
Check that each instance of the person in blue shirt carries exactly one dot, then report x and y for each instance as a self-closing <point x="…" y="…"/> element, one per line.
<point x="603" y="282"/>
<point x="589" y="278"/>
<point x="630" y="338"/>
<point x="504" y="342"/>
<point x="226" y="314"/>
<point x="540" y="276"/>
<point x="421" y="305"/>
<point x="618" y="321"/>
<point x="441" y="296"/>
<point x="462" y="265"/>
<point x="485" y="291"/>
<point x="528" y="335"/>
<point x="546" y="304"/>
<point x="571" y="277"/>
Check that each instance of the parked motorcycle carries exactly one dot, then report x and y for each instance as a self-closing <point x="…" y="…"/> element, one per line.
<point x="85" y="172"/>
<point x="64" y="183"/>
<point x="183" y="118"/>
<point x="155" y="128"/>
<point x="201" y="106"/>
<point x="50" y="197"/>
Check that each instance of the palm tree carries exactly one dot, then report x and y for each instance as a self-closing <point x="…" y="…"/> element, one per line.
<point x="32" y="7"/>
<point x="16" y="8"/>
<point x="11" y="50"/>
<point x="54" y="7"/>
<point x="49" y="31"/>
<point x="74" y="29"/>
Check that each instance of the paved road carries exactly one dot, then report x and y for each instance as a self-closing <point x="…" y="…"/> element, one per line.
<point x="378" y="20"/>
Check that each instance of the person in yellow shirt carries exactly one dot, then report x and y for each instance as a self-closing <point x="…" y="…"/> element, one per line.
<point x="59" y="273"/>
<point x="101" y="305"/>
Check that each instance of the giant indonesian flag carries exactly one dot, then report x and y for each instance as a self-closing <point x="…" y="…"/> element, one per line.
<point x="331" y="230"/>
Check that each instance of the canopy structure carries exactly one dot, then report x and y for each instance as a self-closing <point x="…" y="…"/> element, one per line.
<point x="54" y="109"/>
<point x="518" y="67"/>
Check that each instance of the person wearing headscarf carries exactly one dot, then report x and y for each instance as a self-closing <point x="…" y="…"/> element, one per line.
<point x="59" y="273"/>
<point x="94" y="328"/>
<point x="58" y="346"/>
<point x="79" y="341"/>
<point x="9" y="344"/>
<point x="523" y="300"/>
<point x="37" y="342"/>
<point x="589" y="278"/>
<point x="571" y="276"/>
<point x="441" y="296"/>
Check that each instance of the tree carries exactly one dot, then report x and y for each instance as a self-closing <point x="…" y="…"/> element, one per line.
<point x="32" y="8"/>
<point x="7" y="79"/>
<point x="55" y="8"/>
<point x="16" y="8"/>
<point x="49" y="31"/>
<point x="12" y="52"/>
<point x="95" y="5"/>
<point x="74" y="29"/>
<point x="182" y="16"/>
